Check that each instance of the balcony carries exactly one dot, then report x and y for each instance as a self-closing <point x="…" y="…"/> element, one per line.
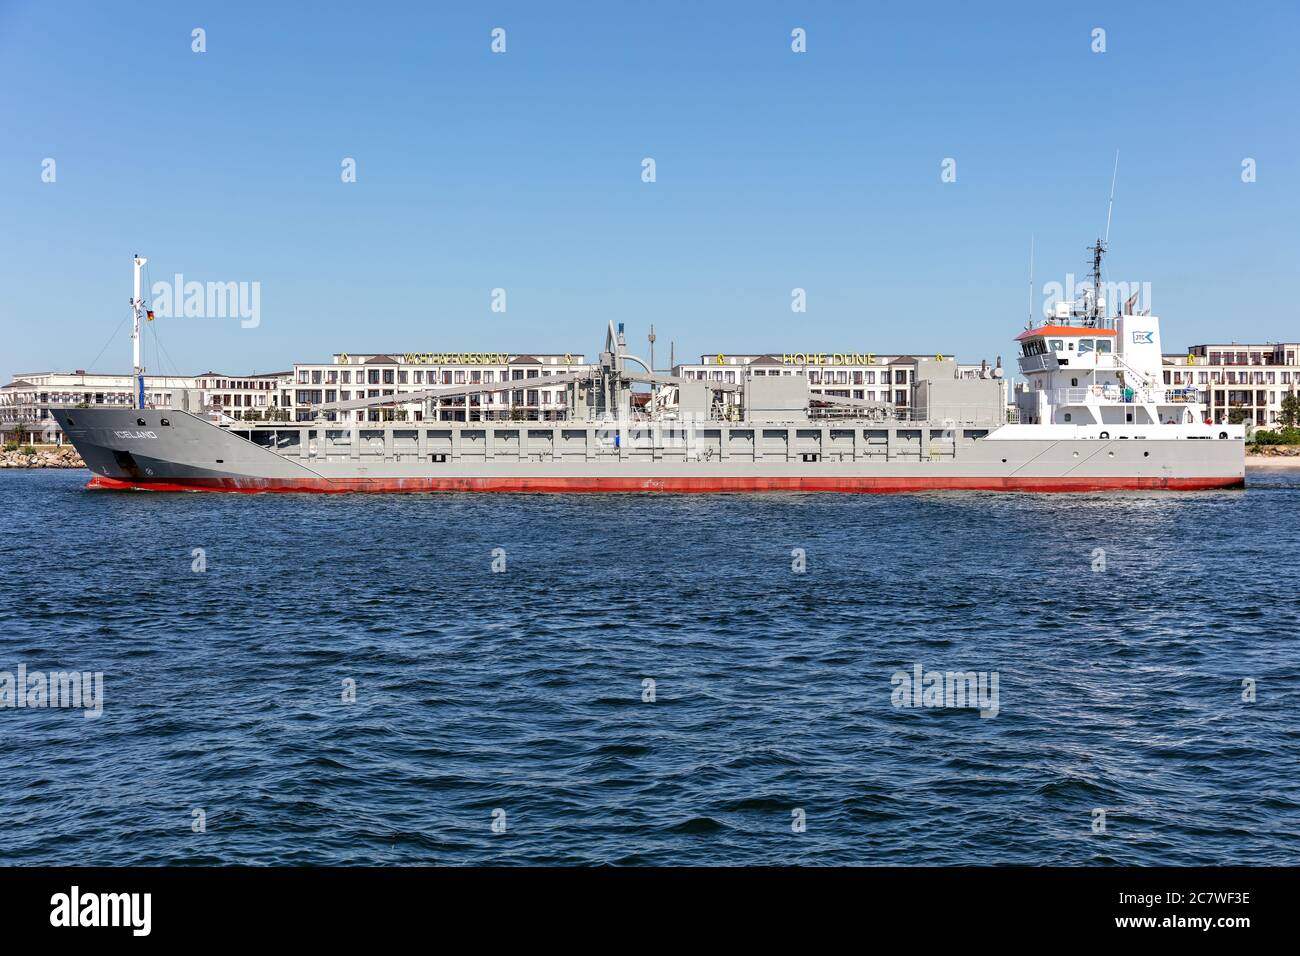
<point x="1114" y="395"/>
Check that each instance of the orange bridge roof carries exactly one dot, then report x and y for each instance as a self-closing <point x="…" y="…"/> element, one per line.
<point x="1062" y="330"/>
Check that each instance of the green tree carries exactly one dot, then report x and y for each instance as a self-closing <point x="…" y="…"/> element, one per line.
<point x="21" y="428"/>
<point x="1290" y="410"/>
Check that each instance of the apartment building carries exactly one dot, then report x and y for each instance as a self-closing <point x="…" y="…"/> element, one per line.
<point x="1239" y="382"/>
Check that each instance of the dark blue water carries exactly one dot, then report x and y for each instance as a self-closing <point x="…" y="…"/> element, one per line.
<point x="1119" y="690"/>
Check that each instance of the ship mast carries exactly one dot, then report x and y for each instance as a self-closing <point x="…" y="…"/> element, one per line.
<point x="137" y="311"/>
<point x="1097" y="312"/>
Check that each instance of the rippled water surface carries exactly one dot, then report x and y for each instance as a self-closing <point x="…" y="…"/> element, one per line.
<point x="1119" y="689"/>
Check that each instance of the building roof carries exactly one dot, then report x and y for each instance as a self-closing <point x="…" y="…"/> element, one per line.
<point x="772" y="358"/>
<point x="525" y="360"/>
<point x="20" y="383"/>
<point x="210" y="374"/>
<point x="380" y="360"/>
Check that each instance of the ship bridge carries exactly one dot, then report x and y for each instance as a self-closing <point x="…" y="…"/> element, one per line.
<point x="1102" y="371"/>
<point x="1052" y="347"/>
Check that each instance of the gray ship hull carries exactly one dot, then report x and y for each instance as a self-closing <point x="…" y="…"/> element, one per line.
<point x="170" y="450"/>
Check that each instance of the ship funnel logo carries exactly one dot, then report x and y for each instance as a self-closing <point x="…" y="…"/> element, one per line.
<point x="1142" y="338"/>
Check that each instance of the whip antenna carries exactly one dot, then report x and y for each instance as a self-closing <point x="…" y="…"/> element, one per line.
<point x="1030" y="324"/>
<point x="1111" y="205"/>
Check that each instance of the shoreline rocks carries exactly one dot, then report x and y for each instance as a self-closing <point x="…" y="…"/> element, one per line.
<point x="41" y="456"/>
<point x="1273" y="451"/>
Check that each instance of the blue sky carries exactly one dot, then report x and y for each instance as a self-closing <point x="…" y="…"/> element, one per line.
<point x="522" y="171"/>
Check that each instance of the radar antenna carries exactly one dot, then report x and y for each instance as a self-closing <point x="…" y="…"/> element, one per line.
<point x="1096" y="312"/>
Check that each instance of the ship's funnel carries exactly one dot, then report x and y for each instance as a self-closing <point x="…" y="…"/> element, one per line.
<point x="1139" y="344"/>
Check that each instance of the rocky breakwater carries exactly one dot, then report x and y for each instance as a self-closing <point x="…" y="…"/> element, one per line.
<point x="1274" y="451"/>
<point x="41" y="456"/>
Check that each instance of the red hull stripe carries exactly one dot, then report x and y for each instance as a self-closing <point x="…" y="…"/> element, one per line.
<point x="702" y="485"/>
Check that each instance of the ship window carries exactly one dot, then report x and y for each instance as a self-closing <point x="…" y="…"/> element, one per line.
<point x="1086" y="345"/>
<point x="1057" y="345"/>
<point x="1104" y="346"/>
<point x="164" y="423"/>
<point x="1067" y="416"/>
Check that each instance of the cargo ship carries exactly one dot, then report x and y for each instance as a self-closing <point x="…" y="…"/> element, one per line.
<point x="1093" y="414"/>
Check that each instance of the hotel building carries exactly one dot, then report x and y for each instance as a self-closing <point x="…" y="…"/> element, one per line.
<point x="350" y="376"/>
<point x="1239" y="382"/>
<point x="267" y="397"/>
<point x="866" y="376"/>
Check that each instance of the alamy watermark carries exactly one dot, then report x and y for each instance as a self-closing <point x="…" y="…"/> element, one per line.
<point x="75" y="908"/>
<point x="1115" y="296"/>
<point x="931" y="688"/>
<point x="75" y="690"/>
<point x="208" y="300"/>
